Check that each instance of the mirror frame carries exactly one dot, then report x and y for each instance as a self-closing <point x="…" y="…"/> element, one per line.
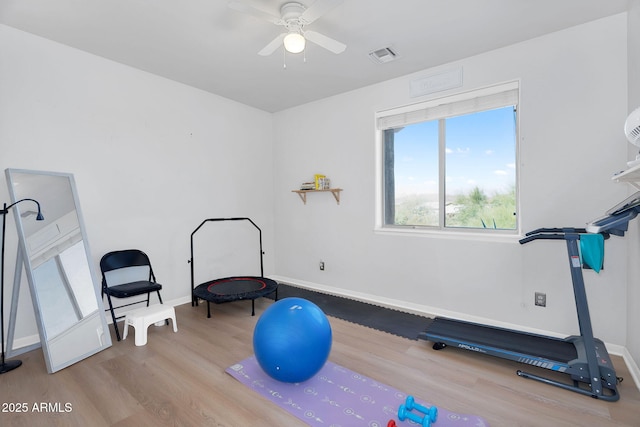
<point x="77" y="335"/>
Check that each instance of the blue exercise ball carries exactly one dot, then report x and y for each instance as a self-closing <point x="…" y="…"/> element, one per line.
<point x="292" y="340"/>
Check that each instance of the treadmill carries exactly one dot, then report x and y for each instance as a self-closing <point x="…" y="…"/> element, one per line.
<point x="583" y="358"/>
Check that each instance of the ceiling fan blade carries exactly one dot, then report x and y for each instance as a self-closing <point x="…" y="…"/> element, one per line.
<point x="317" y="9"/>
<point x="253" y="11"/>
<point x="272" y="46"/>
<point x="325" y="42"/>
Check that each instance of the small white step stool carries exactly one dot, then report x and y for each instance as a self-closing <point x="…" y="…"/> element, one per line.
<point x="141" y="318"/>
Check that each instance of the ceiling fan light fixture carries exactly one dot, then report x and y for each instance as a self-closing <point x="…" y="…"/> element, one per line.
<point x="294" y="42"/>
<point x="294" y="17"/>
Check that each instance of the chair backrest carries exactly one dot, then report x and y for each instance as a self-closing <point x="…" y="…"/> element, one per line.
<point x="125" y="266"/>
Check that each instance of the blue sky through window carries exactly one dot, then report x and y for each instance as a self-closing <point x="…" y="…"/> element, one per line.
<point x="480" y="151"/>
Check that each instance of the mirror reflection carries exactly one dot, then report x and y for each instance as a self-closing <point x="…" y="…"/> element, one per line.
<point x="61" y="281"/>
<point x="66" y="297"/>
<point x="56" y="252"/>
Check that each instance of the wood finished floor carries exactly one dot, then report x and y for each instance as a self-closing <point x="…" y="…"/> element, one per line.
<point x="179" y="379"/>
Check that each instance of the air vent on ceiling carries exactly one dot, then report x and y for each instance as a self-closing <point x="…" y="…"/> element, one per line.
<point x="381" y="56"/>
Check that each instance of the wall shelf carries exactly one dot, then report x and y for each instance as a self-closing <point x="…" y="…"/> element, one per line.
<point x="303" y="193"/>
<point x="631" y="175"/>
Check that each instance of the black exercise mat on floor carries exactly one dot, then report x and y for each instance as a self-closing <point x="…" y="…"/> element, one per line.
<point x="383" y="319"/>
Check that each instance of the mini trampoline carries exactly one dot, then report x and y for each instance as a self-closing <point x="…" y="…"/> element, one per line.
<point x="235" y="288"/>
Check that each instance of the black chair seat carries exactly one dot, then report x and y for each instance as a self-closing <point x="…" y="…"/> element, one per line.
<point x="132" y="289"/>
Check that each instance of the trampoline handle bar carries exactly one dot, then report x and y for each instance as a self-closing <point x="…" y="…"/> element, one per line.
<point x="191" y="262"/>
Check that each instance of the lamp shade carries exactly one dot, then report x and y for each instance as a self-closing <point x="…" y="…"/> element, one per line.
<point x="294" y="42"/>
<point x="632" y="127"/>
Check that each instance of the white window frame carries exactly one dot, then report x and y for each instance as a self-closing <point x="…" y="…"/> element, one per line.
<point x="495" y="96"/>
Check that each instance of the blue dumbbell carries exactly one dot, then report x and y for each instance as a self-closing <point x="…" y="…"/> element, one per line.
<point x="403" y="414"/>
<point x="432" y="412"/>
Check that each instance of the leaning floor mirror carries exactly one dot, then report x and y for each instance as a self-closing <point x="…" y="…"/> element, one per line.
<point x="64" y="289"/>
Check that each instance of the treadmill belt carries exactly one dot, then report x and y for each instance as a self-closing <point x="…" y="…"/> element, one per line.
<point x="518" y="342"/>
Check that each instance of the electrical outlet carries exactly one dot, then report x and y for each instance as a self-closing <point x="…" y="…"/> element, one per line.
<point x="541" y="299"/>
<point x="322" y="265"/>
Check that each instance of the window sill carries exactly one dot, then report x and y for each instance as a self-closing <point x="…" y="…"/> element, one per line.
<point x="502" y="236"/>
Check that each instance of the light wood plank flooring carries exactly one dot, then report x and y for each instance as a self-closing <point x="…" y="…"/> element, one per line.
<point x="179" y="379"/>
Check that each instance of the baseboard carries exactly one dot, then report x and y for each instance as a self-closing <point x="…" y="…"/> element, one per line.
<point x="634" y="370"/>
<point x="409" y="307"/>
<point x="179" y="301"/>
<point x="31" y="342"/>
<point x="174" y="302"/>
<point x="430" y="311"/>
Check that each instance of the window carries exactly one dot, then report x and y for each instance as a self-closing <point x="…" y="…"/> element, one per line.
<point x="451" y="163"/>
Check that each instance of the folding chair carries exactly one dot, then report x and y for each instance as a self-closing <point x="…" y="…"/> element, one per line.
<point x="126" y="274"/>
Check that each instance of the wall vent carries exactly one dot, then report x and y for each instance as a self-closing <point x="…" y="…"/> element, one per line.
<point x="384" y="55"/>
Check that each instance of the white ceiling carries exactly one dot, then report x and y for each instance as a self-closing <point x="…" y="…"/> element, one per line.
<point x="205" y="44"/>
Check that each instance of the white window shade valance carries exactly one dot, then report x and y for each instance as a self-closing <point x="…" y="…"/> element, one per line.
<point x="495" y="97"/>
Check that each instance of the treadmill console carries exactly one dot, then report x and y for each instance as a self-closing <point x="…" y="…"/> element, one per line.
<point x="616" y="220"/>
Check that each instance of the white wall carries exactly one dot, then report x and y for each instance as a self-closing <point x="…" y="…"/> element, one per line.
<point x="151" y="158"/>
<point x="573" y="102"/>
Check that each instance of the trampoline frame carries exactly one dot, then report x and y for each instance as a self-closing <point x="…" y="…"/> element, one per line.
<point x="194" y="298"/>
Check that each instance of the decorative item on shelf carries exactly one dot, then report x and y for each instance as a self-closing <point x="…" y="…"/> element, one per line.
<point x="308" y="186"/>
<point x="319" y="181"/>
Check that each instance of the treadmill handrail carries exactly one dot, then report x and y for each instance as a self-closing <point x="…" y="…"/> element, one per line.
<point x="541" y="236"/>
<point x="556" y="234"/>
<point x="556" y="230"/>
<point x="551" y="234"/>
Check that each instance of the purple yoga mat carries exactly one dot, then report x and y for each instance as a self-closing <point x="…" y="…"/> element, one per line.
<point x="339" y="397"/>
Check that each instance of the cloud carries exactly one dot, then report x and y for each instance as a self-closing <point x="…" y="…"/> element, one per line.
<point x="458" y="150"/>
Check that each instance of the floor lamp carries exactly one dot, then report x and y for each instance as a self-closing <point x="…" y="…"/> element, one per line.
<point x="10" y="365"/>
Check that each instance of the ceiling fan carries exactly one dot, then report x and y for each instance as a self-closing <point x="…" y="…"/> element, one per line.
<point x="294" y="17"/>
